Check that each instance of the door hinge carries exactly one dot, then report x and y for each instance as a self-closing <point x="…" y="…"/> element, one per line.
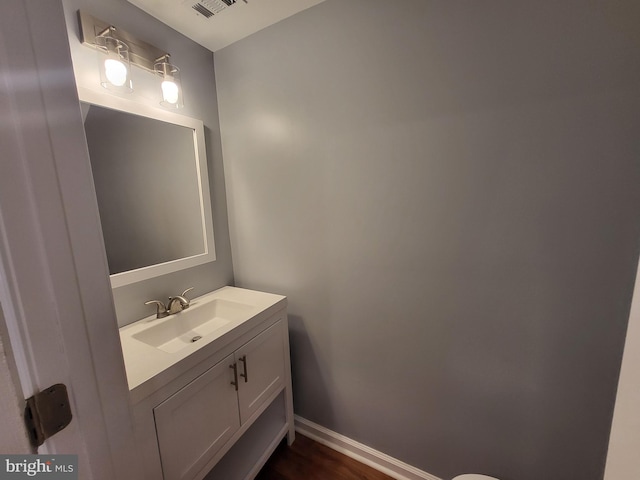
<point x="46" y="413"/>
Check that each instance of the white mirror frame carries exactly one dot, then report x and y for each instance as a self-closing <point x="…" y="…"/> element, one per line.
<point x="117" y="103"/>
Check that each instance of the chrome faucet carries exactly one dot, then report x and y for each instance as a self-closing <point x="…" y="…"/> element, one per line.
<point x="176" y="304"/>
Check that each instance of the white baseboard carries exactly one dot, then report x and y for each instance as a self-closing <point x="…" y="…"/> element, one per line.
<point x="375" y="459"/>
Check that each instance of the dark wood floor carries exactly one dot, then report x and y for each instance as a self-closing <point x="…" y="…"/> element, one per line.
<point x="309" y="460"/>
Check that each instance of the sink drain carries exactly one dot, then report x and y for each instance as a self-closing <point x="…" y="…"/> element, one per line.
<point x="196" y="338"/>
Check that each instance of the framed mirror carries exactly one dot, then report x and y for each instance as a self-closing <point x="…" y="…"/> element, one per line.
<point x="150" y="175"/>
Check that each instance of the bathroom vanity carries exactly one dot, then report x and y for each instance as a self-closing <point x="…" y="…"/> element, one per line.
<point x="211" y="386"/>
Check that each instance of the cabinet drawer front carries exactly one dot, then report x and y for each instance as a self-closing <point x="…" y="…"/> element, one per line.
<point x="263" y="363"/>
<point x="197" y="421"/>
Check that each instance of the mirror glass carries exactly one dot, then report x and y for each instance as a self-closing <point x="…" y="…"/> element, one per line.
<point x="151" y="186"/>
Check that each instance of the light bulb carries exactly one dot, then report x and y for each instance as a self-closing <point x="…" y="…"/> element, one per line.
<point x="170" y="91"/>
<point x="115" y="71"/>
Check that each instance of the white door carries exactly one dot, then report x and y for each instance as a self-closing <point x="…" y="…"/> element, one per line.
<point x="54" y="289"/>
<point x="197" y="421"/>
<point x="624" y="442"/>
<point x="260" y="364"/>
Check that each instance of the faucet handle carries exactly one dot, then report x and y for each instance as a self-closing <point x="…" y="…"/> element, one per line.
<point x="184" y="301"/>
<point x="187" y="290"/>
<point x="161" y="309"/>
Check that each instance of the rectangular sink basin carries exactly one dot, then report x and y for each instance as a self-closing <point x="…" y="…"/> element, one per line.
<point x="156" y="350"/>
<point x="198" y="323"/>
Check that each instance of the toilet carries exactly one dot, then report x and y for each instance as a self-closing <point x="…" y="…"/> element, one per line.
<point x="473" y="476"/>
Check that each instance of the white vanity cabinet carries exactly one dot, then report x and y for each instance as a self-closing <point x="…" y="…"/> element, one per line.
<point x="234" y="390"/>
<point x="196" y="422"/>
<point x="260" y="367"/>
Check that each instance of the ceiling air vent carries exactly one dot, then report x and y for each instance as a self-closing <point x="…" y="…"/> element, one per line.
<point x="208" y="8"/>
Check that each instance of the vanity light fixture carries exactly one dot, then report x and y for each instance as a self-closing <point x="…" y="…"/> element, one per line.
<point x="170" y="84"/>
<point x="113" y="61"/>
<point x="118" y="50"/>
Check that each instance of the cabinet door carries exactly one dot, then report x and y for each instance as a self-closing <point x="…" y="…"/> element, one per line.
<point x="197" y="421"/>
<point x="260" y="369"/>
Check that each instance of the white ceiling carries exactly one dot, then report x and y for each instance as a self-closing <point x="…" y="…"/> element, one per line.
<point x="226" y="26"/>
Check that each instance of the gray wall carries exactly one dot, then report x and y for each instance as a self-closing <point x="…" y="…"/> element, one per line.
<point x="448" y="193"/>
<point x="198" y="81"/>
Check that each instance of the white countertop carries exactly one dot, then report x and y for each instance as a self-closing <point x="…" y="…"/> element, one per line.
<point x="143" y="362"/>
